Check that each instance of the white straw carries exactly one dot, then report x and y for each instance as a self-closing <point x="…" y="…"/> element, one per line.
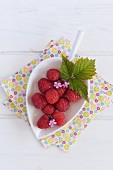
<point x="76" y="44"/>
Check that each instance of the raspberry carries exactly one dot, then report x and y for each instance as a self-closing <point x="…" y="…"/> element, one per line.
<point x="61" y="91"/>
<point x="43" y="122"/>
<point x="63" y="104"/>
<point x="39" y="100"/>
<point x="53" y="74"/>
<point x="59" y="118"/>
<point x="48" y="109"/>
<point x="73" y="95"/>
<point x="52" y="96"/>
<point x="44" y="85"/>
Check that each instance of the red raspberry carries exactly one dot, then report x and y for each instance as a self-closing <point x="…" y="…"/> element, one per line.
<point x="63" y="104"/>
<point x="61" y="91"/>
<point x="39" y="100"/>
<point x="53" y="74"/>
<point x="59" y="118"/>
<point x="44" y="85"/>
<point x="52" y="96"/>
<point x="48" y="109"/>
<point x="73" y="95"/>
<point x="43" y="122"/>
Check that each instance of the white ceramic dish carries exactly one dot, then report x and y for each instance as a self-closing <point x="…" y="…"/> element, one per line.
<point x="33" y="113"/>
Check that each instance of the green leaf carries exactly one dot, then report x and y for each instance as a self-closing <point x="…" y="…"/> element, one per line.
<point x="66" y="69"/>
<point x="84" y="69"/>
<point x="80" y="87"/>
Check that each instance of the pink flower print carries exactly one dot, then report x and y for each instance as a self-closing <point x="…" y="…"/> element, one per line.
<point x="85" y="126"/>
<point x="13" y="80"/>
<point x="98" y="108"/>
<point x="91" y="112"/>
<point x="97" y="94"/>
<point x="65" y="85"/>
<point x="63" y="142"/>
<point x="81" y="116"/>
<point x="57" y="85"/>
<point x="28" y="64"/>
<point x="8" y="90"/>
<point x="16" y="83"/>
<point x="91" y="87"/>
<point x="96" y="100"/>
<point x="83" y="120"/>
<point x="52" y="123"/>
<point x="59" y="51"/>
<point x="53" y="136"/>
<point x="106" y="88"/>
<point x="91" y="81"/>
<point x="83" y="108"/>
<point x="15" y="92"/>
<point x="63" y="131"/>
<point x="22" y="91"/>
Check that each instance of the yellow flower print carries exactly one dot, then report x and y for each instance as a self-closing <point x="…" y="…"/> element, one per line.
<point x="20" y="100"/>
<point x="66" y="147"/>
<point x="93" y="96"/>
<point x="11" y="84"/>
<point x="26" y="79"/>
<point x="103" y="85"/>
<point x="46" y="56"/>
<point x="107" y="101"/>
<point x="50" y="140"/>
<point x="25" y="86"/>
<point x="78" y="121"/>
<point x="86" y="104"/>
<point x="62" y="41"/>
<point x="54" y="50"/>
<point x="109" y="93"/>
<point x="18" y="77"/>
<point x="12" y="105"/>
<point x="86" y="114"/>
<point x="18" y="107"/>
<point x="48" y="45"/>
<point x="68" y="45"/>
<point x="17" y="88"/>
<point x="24" y="109"/>
<point x="26" y="70"/>
<point x="5" y="82"/>
<point x="58" y="133"/>
<point x="78" y="134"/>
<point x="67" y="137"/>
<point x="19" y="115"/>
<point x="101" y="98"/>
<point x="72" y="130"/>
<point x="96" y="88"/>
<point x="93" y="116"/>
<point x="45" y="138"/>
<point x="93" y="106"/>
<point x="33" y="62"/>
<point x="73" y="141"/>
<point x="88" y="121"/>
<point x="8" y="93"/>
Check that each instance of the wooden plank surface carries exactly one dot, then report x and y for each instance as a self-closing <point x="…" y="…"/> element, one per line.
<point x="25" y="29"/>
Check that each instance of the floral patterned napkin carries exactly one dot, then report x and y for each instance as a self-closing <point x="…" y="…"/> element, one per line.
<point x="101" y="93"/>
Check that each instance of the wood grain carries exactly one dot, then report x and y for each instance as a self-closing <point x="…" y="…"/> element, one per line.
<point x="25" y="29"/>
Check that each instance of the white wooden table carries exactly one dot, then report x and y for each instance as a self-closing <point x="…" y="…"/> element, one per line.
<point x="25" y="28"/>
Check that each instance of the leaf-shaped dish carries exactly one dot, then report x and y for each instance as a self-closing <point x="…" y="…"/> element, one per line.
<point x="32" y="87"/>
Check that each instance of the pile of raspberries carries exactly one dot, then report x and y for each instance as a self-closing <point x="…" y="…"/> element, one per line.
<point x="53" y="100"/>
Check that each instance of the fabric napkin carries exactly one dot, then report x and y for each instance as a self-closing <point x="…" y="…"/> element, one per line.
<point x="100" y="97"/>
